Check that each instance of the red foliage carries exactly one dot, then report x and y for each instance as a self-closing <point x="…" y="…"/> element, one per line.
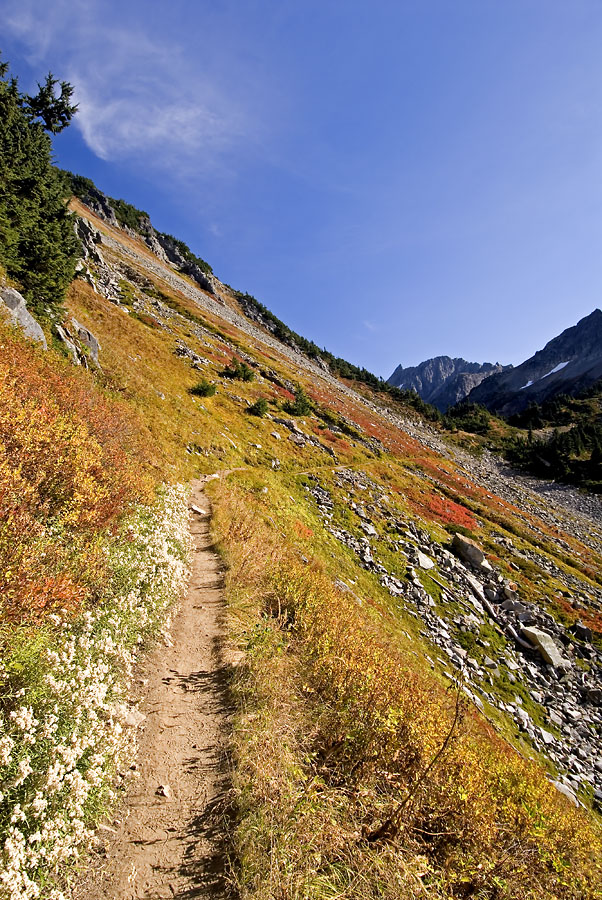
<point x="71" y="462"/>
<point x="431" y="505"/>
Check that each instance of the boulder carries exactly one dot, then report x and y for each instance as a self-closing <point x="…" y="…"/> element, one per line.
<point x="546" y="646"/>
<point x="88" y="340"/>
<point x="467" y="550"/>
<point x="582" y="632"/>
<point x="13" y="306"/>
<point x="424" y="561"/>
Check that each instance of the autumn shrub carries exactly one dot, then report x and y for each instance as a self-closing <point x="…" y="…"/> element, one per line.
<point x="64" y="700"/>
<point x="71" y="463"/>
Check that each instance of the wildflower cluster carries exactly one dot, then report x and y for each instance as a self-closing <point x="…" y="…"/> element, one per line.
<point x="63" y="718"/>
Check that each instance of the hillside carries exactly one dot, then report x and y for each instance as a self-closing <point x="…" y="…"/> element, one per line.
<point x="355" y="613"/>
<point x="406" y="677"/>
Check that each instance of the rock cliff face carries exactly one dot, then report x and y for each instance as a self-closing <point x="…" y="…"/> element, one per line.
<point x="567" y="364"/>
<point x="164" y="246"/>
<point x="443" y="381"/>
<point x="12" y="305"/>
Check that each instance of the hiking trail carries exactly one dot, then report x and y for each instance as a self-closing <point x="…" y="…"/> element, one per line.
<point x="171" y="832"/>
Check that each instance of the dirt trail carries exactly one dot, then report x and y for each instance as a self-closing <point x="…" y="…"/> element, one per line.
<point x="175" y="845"/>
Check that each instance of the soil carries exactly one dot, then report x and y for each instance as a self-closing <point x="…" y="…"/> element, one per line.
<point x="171" y="835"/>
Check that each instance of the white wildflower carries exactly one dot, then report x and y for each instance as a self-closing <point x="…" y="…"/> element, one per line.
<point x="6" y="746"/>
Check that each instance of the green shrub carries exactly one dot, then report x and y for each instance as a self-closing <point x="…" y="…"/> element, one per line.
<point x="239" y="370"/>
<point x="302" y="405"/>
<point x="203" y="388"/>
<point x="259" y="408"/>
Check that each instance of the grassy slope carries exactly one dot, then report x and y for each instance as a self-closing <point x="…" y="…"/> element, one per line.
<point x="341" y="717"/>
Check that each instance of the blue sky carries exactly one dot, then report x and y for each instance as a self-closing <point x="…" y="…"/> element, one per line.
<point x="395" y="180"/>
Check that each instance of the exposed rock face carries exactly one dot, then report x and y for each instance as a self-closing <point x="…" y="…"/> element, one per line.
<point x="172" y="253"/>
<point x="13" y="305"/>
<point x="162" y="245"/>
<point x="83" y="347"/>
<point x="567" y="364"/>
<point x="100" y="205"/>
<point x="443" y="381"/>
<point x="151" y="238"/>
<point x="88" y="340"/>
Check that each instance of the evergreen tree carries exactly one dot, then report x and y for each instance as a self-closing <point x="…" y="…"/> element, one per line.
<point x="38" y="247"/>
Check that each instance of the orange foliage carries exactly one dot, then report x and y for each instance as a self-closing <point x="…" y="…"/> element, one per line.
<point x="303" y="531"/>
<point x="70" y="463"/>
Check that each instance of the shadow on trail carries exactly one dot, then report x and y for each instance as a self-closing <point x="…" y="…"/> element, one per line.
<point x="207" y="834"/>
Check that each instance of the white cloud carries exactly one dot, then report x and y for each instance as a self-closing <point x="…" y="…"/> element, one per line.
<point x="141" y="96"/>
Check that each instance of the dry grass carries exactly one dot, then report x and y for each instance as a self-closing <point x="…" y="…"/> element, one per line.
<point x="335" y="742"/>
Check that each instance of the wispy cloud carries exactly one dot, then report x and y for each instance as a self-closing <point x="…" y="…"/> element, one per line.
<point x="370" y="326"/>
<point x="139" y="97"/>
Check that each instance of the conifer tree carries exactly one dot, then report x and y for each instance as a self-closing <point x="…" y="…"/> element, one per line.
<point x="38" y="247"/>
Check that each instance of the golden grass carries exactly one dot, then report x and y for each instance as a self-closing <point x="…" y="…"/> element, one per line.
<point x="339" y="727"/>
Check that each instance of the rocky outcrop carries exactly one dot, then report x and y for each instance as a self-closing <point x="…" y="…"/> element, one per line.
<point x="164" y="247"/>
<point x="568" y="364"/>
<point x="82" y="346"/>
<point x="151" y="238"/>
<point x="12" y="305"/>
<point x="99" y="204"/>
<point x="172" y="253"/>
<point x="87" y="339"/>
<point x="443" y="381"/>
<point x="530" y="648"/>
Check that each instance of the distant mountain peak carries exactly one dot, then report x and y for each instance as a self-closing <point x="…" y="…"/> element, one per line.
<point x="568" y="364"/>
<point x="443" y="380"/>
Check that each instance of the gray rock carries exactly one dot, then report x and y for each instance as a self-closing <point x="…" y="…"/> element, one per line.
<point x="594" y="695"/>
<point x="546" y="646"/>
<point x="424" y="561"/>
<point x="564" y="789"/>
<point x="467" y="550"/>
<point x="65" y="337"/>
<point x="13" y="306"/>
<point x="582" y="632"/>
<point x="88" y="340"/>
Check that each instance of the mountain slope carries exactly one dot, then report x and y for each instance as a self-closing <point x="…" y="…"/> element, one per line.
<point x="568" y="364"/>
<point x="355" y="763"/>
<point x="381" y="495"/>
<point x="442" y="381"/>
